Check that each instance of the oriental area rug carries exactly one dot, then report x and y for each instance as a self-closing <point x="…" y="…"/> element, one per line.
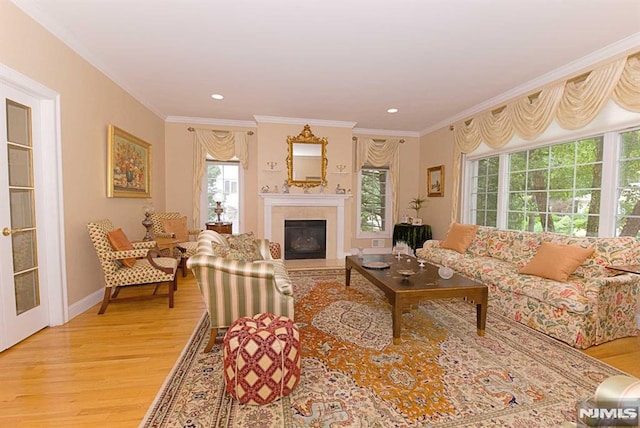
<point x="440" y="374"/>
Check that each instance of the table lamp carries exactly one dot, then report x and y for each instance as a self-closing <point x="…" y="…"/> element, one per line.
<point x="218" y="198"/>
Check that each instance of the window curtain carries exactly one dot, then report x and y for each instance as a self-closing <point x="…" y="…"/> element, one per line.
<point x="381" y="154"/>
<point x="223" y="148"/>
<point x="573" y="103"/>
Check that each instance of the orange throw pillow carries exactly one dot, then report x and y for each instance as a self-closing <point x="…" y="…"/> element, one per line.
<point x="556" y="261"/>
<point x="178" y="227"/>
<point x="460" y="237"/>
<point x="120" y="242"/>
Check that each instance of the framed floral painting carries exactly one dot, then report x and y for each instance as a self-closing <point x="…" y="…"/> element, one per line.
<point x="128" y="165"/>
<point x="435" y="181"/>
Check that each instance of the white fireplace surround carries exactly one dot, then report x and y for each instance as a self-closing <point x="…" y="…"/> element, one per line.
<point x="272" y="200"/>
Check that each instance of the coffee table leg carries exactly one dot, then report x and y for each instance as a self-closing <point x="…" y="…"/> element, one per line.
<point x="396" y="320"/>
<point x="481" y="313"/>
<point x="347" y="273"/>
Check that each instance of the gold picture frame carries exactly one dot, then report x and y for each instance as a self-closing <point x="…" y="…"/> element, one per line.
<point x="435" y="181"/>
<point x="128" y="165"/>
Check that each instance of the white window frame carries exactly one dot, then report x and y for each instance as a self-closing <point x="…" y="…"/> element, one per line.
<point x="204" y="215"/>
<point x="388" y="220"/>
<point x="609" y="190"/>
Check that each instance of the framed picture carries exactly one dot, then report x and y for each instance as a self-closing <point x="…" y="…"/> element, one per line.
<point x="128" y="165"/>
<point x="435" y="181"/>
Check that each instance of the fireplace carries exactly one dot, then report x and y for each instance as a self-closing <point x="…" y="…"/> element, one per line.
<point x="305" y="239"/>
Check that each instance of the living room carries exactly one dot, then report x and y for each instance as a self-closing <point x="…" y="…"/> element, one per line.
<point x="87" y="101"/>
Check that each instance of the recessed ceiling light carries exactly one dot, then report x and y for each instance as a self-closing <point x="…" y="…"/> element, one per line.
<point x="217" y="96"/>
<point x="392" y="110"/>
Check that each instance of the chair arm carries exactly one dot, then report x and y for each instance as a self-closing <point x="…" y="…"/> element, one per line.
<point x="164" y="235"/>
<point x="194" y="232"/>
<point x="232" y="267"/>
<point x="151" y="255"/>
<point x="126" y="254"/>
<point x="143" y="244"/>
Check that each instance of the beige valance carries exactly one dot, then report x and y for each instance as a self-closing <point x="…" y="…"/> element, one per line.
<point x="226" y="147"/>
<point x="574" y="103"/>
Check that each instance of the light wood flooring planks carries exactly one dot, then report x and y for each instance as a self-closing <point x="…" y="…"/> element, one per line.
<point x="105" y="371"/>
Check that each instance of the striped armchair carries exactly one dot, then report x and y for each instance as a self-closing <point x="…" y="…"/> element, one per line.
<point x="185" y="249"/>
<point x="232" y="289"/>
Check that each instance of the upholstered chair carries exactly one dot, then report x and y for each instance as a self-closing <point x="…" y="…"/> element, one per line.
<point x="233" y="288"/>
<point x="135" y="266"/>
<point x="174" y="225"/>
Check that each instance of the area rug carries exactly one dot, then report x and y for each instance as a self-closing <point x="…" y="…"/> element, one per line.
<point x="440" y="374"/>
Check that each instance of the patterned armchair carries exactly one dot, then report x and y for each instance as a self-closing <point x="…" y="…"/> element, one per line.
<point x="145" y="268"/>
<point x="185" y="248"/>
<point x="232" y="289"/>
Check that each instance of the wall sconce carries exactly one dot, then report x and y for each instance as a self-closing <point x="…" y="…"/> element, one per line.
<point x="218" y="198"/>
<point x="341" y="167"/>
<point x="272" y="164"/>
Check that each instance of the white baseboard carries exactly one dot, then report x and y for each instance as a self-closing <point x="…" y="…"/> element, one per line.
<point x="85" y="304"/>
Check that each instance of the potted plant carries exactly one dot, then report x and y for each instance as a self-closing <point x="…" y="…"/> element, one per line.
<point x="416" y="204"/>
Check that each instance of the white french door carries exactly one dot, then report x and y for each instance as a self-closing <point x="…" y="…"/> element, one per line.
<point x="24" y="304"/>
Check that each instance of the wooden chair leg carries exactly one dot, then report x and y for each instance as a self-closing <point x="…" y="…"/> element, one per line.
<point x="105" y="300"/>
<point x="212" y="340"/>
<point x="183" y="263"/>
<point x="172" y="287"/>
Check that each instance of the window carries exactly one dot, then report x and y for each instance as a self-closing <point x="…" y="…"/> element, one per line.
<point x="222" y="177"/>
<point x="628" y="189"/>
<point x="567" y="188"/>
<point x="485" y="191"/>
<point x="374" y="202"/>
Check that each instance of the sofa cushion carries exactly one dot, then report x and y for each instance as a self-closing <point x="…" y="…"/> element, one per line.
<point x="513" y="246"/>
<point x="556" y="261"/>
<point x="120" y="242"/>
<point x="459" y="237"/>
<point x="241" y="247"/>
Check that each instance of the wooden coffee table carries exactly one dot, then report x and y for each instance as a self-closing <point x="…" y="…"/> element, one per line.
<point x="425" y="284"/>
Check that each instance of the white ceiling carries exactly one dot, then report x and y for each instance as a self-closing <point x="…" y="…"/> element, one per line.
<point x="350" y="60"/>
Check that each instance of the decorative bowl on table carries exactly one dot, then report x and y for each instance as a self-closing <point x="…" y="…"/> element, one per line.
<point x="445" y="272"/>
<point x="405" y="273"/>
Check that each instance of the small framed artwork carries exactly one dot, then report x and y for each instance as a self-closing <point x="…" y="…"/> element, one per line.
<point x="128" y="165"/>
<point x="435" y="181"/>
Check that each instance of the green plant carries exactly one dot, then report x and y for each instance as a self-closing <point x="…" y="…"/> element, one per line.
<point x="416" y="204"/>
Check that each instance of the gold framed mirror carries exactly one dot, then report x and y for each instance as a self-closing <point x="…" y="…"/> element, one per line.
<point x="307" y="159"/>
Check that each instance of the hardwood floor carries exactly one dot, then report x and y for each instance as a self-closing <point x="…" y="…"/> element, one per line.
<point x="104" y="371"/>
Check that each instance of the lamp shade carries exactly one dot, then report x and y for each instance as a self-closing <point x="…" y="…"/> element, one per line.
<point x="218" y="197"/>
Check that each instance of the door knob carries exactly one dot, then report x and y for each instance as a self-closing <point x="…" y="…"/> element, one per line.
<point x="6" y="231"/>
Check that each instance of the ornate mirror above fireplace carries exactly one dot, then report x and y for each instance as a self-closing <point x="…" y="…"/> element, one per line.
<point x="307" y="160"/>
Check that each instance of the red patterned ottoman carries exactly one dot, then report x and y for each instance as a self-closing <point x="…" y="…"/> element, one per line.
<point x="261" y="358"/>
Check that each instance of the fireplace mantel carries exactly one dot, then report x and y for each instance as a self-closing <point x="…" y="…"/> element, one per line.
<point x="306" y="200"/>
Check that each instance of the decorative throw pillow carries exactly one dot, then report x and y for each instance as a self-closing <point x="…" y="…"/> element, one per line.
<point x="245" y="247"/>
<point x="120" y="242"/>
<point x="176" y="226"/>
<point x="459" y="237"/>
<point x="225" y="251"/>
<point x="556" y="261"/>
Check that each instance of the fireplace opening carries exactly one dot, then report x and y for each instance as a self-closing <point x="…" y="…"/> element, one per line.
<point x="305" y="239"/>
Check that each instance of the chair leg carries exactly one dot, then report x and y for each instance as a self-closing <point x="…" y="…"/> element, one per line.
<point x="172" y="287"/>
<point x="212" y="340"/>
<point x="105" y="300"/>
<point x="183" y="263"/>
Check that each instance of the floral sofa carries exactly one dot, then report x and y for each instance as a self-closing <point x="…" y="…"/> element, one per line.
<point x="593" y="306"/>
<point x="234" y="287"/>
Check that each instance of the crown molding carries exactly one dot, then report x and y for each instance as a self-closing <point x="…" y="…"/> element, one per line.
<point x="210" y="121"/>
<point x="385" y="132"/>
<point x="623" y="47"/>
<point x="302" y="121"/>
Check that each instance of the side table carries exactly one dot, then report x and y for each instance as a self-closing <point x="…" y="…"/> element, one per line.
<point x="413" y="235"/>
<point x="222" y="227"/>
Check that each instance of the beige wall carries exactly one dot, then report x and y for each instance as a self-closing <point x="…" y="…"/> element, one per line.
<point x="436" y="149"/>
<point x="89" y="102"/>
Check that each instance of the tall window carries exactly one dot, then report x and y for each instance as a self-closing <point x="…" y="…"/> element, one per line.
<point x="374" y="201"/>
<point x="628" y="190"/>
<point x="223" y="178"/>
<point x="485" y="192"/>
<point x="588" y="187"/>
